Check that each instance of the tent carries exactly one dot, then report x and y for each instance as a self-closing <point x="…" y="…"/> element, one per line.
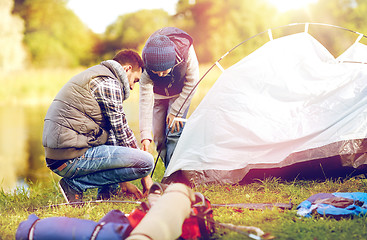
<point x="290" y="110"/>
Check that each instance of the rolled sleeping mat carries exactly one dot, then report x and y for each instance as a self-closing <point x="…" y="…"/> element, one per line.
<point x="165" y="218"/>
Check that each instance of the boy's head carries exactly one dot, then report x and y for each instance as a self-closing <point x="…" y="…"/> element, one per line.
<point x="159" y="53"/>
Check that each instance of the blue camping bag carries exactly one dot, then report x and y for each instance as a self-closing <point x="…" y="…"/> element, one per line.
<point x="339" y="204"/>
<point x="114" y="225"/>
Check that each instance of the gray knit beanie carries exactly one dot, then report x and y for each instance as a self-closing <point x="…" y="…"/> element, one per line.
<point x="159" y="53"/>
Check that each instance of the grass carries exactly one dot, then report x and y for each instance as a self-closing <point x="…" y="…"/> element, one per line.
<point x="33" y="86"/>
<point x="277" y="223"/>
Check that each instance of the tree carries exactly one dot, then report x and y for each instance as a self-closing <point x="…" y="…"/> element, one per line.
<point x="358" y="17"/>
<point x="12" y="54"/>
<point x="54" y="35"/>
<point x="132" y="30"/>
<point x="350" y="14"/>
<point x="217" y="26"/>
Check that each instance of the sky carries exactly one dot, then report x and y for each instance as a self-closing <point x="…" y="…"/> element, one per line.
<point x="286" y="5"/>
<point x="98" y="14"/>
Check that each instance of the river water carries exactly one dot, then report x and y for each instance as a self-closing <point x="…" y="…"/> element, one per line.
<point x="21" y="151"/>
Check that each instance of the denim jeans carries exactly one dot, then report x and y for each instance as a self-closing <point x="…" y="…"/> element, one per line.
<point x="165" y="146"/>
<point x="105" y="166"/>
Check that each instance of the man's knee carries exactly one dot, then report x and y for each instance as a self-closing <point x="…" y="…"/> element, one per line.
<point x="147" y="162"/>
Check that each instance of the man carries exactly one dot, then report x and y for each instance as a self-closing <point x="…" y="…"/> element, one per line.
<point x="172" y="71"/>
<point x="86" y="136"/>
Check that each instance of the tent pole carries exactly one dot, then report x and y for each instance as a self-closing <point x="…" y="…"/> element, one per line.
<point x="270" y="34"/>
<point x="219" y="66"/>
<point x="306" y="27"/>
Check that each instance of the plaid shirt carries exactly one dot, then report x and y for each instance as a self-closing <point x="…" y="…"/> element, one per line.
<point x="109" y="95"/>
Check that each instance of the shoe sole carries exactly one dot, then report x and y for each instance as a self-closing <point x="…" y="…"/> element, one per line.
<point x="63" y="193"/>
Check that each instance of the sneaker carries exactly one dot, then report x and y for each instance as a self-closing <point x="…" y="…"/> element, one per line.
<point x="69" y="193"/>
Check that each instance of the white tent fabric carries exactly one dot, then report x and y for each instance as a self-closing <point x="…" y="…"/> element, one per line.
<point x="266" y="111"/>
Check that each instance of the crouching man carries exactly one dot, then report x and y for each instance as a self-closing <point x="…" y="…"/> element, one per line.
<point x="86" y="136"/>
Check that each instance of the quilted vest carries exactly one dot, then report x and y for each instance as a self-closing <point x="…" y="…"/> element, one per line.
<point x="74" y="121"/>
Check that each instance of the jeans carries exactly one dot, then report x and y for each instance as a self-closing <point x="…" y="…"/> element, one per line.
<point x="165" y="146"/>
<point x="105" y="166"/>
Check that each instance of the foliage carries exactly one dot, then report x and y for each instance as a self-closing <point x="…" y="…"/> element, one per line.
<point x="12" y="54"/>
<point x="34" y="86"/>
<point x="54" y="35"/>
<point x="223" y="24"/>
<point x="133" y="29"/>
<point x="277" y="223"/>
<point x="349" y="14"/>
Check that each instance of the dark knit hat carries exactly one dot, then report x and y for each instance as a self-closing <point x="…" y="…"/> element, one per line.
<point x="159" y="53"/>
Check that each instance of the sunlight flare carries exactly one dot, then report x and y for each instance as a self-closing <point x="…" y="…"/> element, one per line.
<point x="286" y="5"/>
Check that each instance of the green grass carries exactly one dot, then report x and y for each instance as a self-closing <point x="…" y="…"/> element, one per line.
<point x="33" y="86"/>
<point x="281" y="224"/>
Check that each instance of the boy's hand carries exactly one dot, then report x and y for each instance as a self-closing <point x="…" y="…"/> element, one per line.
<point x="145" y="145"/>
<point x="176" y="125"/>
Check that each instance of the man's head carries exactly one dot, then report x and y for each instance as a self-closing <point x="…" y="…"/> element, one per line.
<point x="159" y="55"/>
<point x="132" y="64"/>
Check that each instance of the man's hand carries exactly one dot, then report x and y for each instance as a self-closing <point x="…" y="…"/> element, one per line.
<point x="145" y="145"/>
<point x="131" y="189"/>
<point x="147" y="183"/>
<point x="176" y="124"/>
